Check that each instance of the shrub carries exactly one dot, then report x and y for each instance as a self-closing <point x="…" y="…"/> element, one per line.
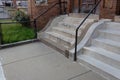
<point x="22" y="18"/>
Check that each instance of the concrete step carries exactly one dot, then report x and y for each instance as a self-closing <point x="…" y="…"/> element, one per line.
<point x="60" y="39"/>
<point x="103" y="55"/>
<point x="110" y="34"/>
<point x="100" y="67"/>
<point x="83" y="15"/>
<point x="66" y="32"/>
<point x="62" y="30"/>
<point x="107" y="44"/>
<point x="117" y="18"/>
<point x="112" y="26"/>
<point x="73" y="23"/>
<point x="68" y="25"/>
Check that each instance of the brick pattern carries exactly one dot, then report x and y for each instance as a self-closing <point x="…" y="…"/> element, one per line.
<point x="108" y="13"/>
<point x="35" y="10"/>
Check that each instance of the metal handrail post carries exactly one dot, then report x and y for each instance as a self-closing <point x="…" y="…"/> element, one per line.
<point x="35" y="27"/>
<point x="76" y="36"/>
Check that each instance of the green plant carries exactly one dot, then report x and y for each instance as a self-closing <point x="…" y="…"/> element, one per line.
<point x="16" y="32"/>
<point x="22" y="18"/>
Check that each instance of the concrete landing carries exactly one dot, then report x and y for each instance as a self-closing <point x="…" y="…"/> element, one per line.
<point x="36" y="61"/>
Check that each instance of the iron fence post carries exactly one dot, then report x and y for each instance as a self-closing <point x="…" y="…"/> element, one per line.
<point x="76" y="41"/>
<point x="1" y="36"/>
<point x="35" y="28"/>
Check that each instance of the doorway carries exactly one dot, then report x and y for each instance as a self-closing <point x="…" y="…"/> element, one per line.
<point x="83" y="6"/>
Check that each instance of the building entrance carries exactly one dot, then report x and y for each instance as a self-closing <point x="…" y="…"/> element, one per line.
<point x="82" y="5"/>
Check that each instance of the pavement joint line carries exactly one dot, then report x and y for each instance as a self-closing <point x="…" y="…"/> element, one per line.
<point x="2" y="76"/>
<point x="84" y="66"/>
<point x="80" y="75"/>
<point x="29" y="58"/>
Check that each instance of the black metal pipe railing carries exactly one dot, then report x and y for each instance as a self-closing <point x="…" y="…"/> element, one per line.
<point x="76" y="36"/>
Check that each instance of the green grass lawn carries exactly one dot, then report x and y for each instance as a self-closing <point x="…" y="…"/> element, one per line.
<point x="16" y="32"/>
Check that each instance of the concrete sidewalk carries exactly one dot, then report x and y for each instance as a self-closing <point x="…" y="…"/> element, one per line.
<point x="36" y="61"/>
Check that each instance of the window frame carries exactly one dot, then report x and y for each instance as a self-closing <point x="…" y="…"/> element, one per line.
<point x="38" y="2"/>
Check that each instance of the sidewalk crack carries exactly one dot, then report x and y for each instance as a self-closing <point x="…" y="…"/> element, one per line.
<point x="79" y="75"/>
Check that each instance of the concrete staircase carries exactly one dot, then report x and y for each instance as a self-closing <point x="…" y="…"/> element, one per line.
<point x="61" y="31"/>
<point x="101" y="53"/>
<point x="117" y="18"/>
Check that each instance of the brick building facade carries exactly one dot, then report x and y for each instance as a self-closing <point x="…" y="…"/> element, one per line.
<point x="36" y="9"/>
<point x="108" y="9"/>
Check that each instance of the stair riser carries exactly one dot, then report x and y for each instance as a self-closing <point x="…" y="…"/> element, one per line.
<point x="102" y="58"/>
<point x="99" y="71"/>
<point x="52" y="38"/>
<point x="69" y="28"/>
<point x="106" y="46"/>
<point x="64" y="33"/>
<point x="110" y="36"/>
<point x="58" y="40"/>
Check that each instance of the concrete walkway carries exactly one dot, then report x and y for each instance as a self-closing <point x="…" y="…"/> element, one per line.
<point x="36" y="61"/>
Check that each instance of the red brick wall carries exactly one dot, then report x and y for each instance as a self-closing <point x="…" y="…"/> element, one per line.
<point x="35" y="10"/>
<point x="108" y="12"/>
<point x="69" y="6"/>
<point x="118" y="7"/>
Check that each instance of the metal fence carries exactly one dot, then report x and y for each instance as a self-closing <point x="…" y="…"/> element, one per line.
<point x="17" y="32"/>
<point x="14" y="33"/>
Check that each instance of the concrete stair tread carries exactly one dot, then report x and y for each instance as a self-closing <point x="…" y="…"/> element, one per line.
<point x="111" y="32"/>
<point x="100" y="65"/>
<point x="75" y="23"/>
<point x="75" y="19"/>
<point x="69" y="31"/>
<point x="104" y="52"/>
<point x="113" y="25"/>
<point x="72" y="19"/>
<point x="62" y="37"/>
<point x="107" y="41"/>
<point x="68" y="24"/>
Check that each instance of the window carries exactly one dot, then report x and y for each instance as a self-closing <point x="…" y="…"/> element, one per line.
<point x="40" y="1"/>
